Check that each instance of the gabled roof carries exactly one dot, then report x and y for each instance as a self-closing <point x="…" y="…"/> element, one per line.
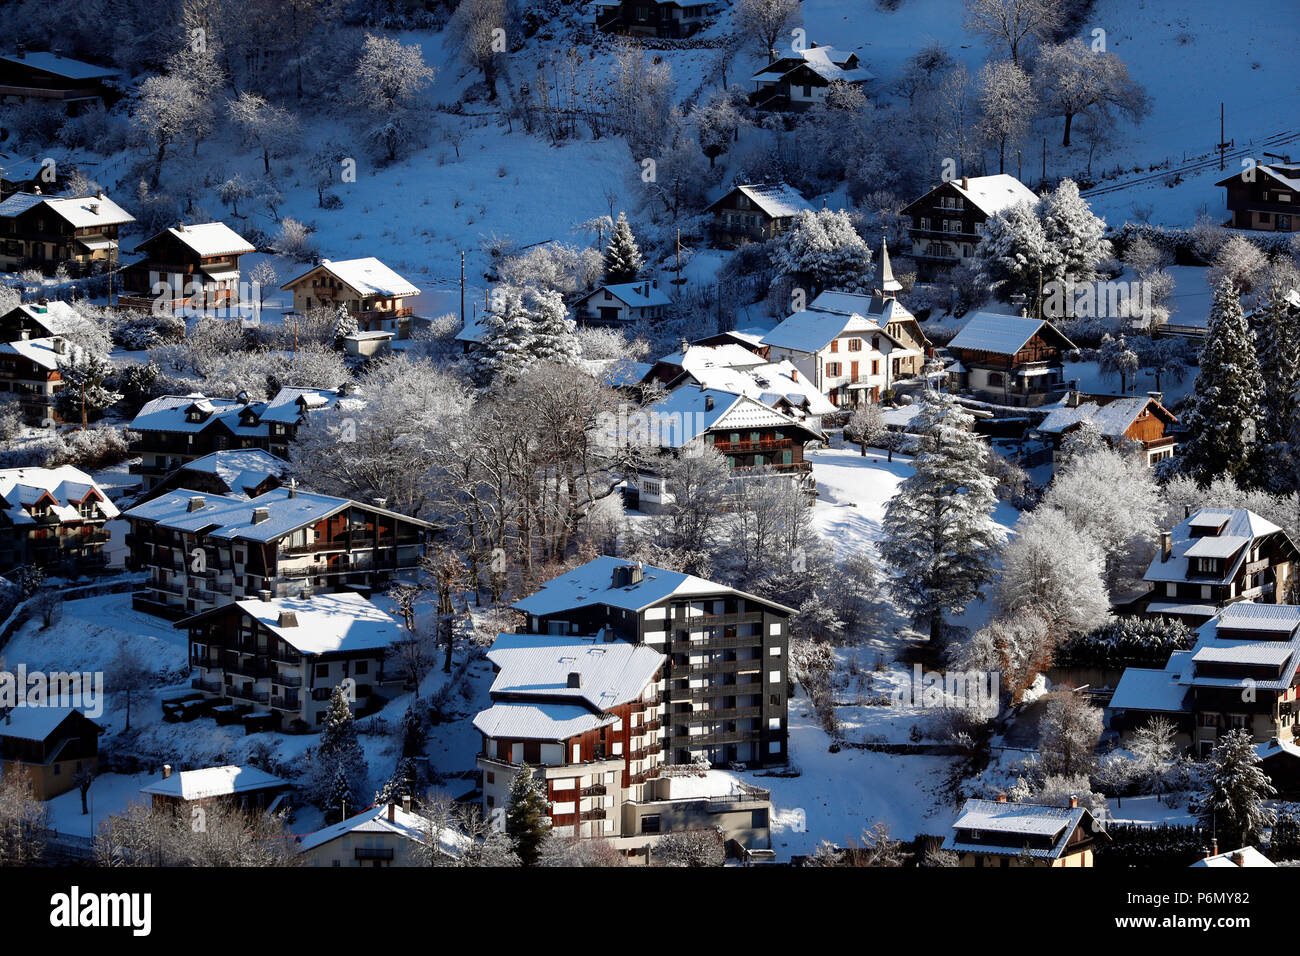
<point x="205" y="239"/>
<point x="213" y="782"/>
<point x="539" y="667"/>
<point x="1283" y="175"/>
<point x="635" y="295"/>
<point x="408" y="826"/>
<point x="777" y="200"/>
<point x="1239" y="528"/>
<point x="989" y="194"/>
<point x="1004" y="334"/>
<point x="36" y="723"/>
<point x="231" y="516"/>
<point x="1111" y="416"/>
<point x="540" y="720"/>
<point x="826" y="61"/>
<point x="79" y="212"/>
<point x="1005" y="828"/>
<point x="43" y="351"/>
<point x="768" y="382"/>
<point x="690" y="411"/>
<point x="593" y="583"/>
<point x="170" y="413"/>
<point x="325" y="623"/>
<point x="366" y="277"/>
<point x="240" y="469"/>
<point x="812" y="329"/>
<point x="1248" y="854"/>
<point x="56" y="318"/>
<point x="63" y="66"/>
<point x="63" y="488"/>
<point x="292" y="402"/>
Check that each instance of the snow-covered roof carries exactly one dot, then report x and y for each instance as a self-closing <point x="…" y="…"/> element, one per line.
<point x="1283" y="175"/>
<point x="1239" y="528"/>
<point x="1153" y="689"/>
<point x="241" y="469"/>
<point x="213" y="782"/>
<point x="56" y="318"/>
<point x="29" y="722"/>
<point x="826" y="61"/>
<point x="1005" y="827"/>
<point x="768" y="382"/>
<point x="208" y="239"/>
<point x="21" y="488"/>
<point x="730" y="355"/>
<point x="635" y="295"/>
<point x="292" y="402"/>
<point x="812" y="329"/>
<point x="1248" y="855"/>
<point x="992" y="194"/>
<point x="169" y="413"/>
<point x="1269" y="618"/>
<point x="1000" y="334"/>
<point x="64" y="66"/>
<point x="80" y="212"/>
<point x="366" y="276"/>
<point x="778" y="200"/>
<point x="1272" y="653"/>
<point x="1112" y="418"/>
<point x="538" y="721"/>
<point x="43" y="351"/>
<point x="541" y="666"/>
<point x="231" y="516"/>
<point x="375" y="819"/>
<point x="593" y="583"/>
<point x="326" y="623"/>
<point x="616" y="373"/>
<point x="689" y="411"/>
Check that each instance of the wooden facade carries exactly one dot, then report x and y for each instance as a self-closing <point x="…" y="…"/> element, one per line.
<point x="54" y="762"/>
<point x="194" y="281"/>
<point x="1264" y="198"/>
<point x="35" y="236"/>
<point x="651" y="18"/>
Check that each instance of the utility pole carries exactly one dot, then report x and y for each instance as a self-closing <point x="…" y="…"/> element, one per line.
<point x="1018" y="164"/>
<point x="1224" y="143"/>
<point x="462" y="288"/>
<point x="1043" y="184"/>
<point x="679" y="255"/>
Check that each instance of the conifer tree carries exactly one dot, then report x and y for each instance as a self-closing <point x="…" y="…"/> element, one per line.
<point x="345" y="324"/>
<point x="83" y="390"/>
<point x="507" y="348"/>
<point x="1277" y="338"/>
<point x="623" y="259"/>
<point x="555" y="337"/>
<point x="1225" y="408"/>
<point x="526" y="821"/>
<point x="1013" y="254"/>
<point x="1073" y="233"/>
<point x="1232" y="801"/>
<point x="940" y="536"/>
<point x="339" y="754"/>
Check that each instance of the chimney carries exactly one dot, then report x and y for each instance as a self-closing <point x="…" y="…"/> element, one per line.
<point x="293" y="487"/>
<point x="196" y="503"/>
<point x="794" y="375"/>
<point x="287" y="619"/>
<point x="406" y="803"/>
<point x="180" y="226"/>
<point x="99" y="194"/>
<point x="60" y="347"/>
<point x="1166" y="545"/>
<point x="264" y="595"/>
<point x="94" y="208"/>
<point x="1187" y="512"/>
<point x="1074" y="399"/>
<point x="1156" y="397"/>
<point x="965" y="182"/>
<point x="708" y="403"/>
<point x="1206" y="853"/>
<point x="1074" y="801"/>
<point x="392" y="812"/>
<point x="24" y="335"/>
<point x="260" y="515"/>
<point x="22" y="51"/>
<point x="575" y="679"/>
<point x="1002" y="798"/>
<point x="1238" y="858"/>
<point x="379" y="502"/>
<point x="167" y="770"/>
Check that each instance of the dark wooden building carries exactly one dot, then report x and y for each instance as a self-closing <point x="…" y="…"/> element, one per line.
<point x="946" y="221"/>
<point x="78" y="234"/>
<point x="1010" y="359"/>
<point x="1264" y="197"/>
<point x="187" y="267"/>
<point x="754" y="213"/>
<point x="72" y="86"/>
<point x="652" y="18"/>
<point x="52" y="745"/>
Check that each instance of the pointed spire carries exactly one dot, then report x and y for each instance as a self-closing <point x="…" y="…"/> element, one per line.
<point x="884" y="283"/>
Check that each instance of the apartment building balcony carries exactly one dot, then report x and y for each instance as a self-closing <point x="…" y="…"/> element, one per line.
<point x="166" y="588"/>
<point x="290" y="704"/>
<point x="713" y="715"/>
<point x="598" y="790"/>
<point x="253" y="696"/>
<point x="586" y="815"/>
<point x="717" y="690"/>
<point x="286" y="680"/>
<point x="944" y="234"/>
<point x="207" y="686"/>
<point x="753" y="664"/>
<point x="734" y="447"/>
<point x="723" y="737"/>
<point x="247" y="668"/>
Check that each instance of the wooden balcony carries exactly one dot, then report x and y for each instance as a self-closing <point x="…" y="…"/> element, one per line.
<point x="773" y="444"/>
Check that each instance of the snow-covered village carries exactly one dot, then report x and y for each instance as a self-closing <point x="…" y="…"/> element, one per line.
<point x="771" y="434"/>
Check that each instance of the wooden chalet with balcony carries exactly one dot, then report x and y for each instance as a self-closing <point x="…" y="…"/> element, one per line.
<point x="1010" y="359"/>
<point x="997" y="833"/>
<point x="754" y="213"/>
<point x="204" y="551"/>
<point x="798" y="79"/>
<point x="54" y="519"/>
<point x="725" y="674"/>
<point x="672" y="19"/>
<point x="1215" y="557"/>
<point x="374" y="294"/>
<point x="69" y="85"/>
<point x="285" y="656"/>
<point x="186" y="269"/>
<point x="29" y="368"/>
<point x="1264" y="197"/>
<point x="946" y="221"/>
<point x="47" y="233"/>
<point x="1137" y="421"/>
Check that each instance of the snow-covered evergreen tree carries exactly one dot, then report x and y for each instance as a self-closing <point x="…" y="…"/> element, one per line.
<point x="507" y="347"/>
<point x="1277" y="339"/>
<point x="339" y="756"/>
<point x="345" y="324"/>
<point x="1013" y="253"/>
<point x="1225" y="410"/>
<point x="623" y="259"/>
<point x="555" y="335"/>
<point x="822" y="248"/>
<point x="940" y="537"/>
<point x="401" y="783"/>
<point x="1073" y="233"/>
<point x="526" y="819"/>
<point x="338" y="801"/>
<point x="1232" y="801"/>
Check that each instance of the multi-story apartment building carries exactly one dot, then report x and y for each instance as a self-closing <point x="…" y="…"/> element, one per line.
<point x="46" y="232"/>
<point x="946" y="221"/>
<point x="372" y="292"/>
<point x="586" y="713"/>
<point x="186" y="268"/>
<point x="726" y="673"/>
<point x="286" y="655"/>
<point x="247" y="472"/>
<point x="1215" y="557"/>
<point x="173" y="430"/>
<point x="1241" y="674"/>
<point x="54" y="519"/>
<point x="204" y="551"/>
